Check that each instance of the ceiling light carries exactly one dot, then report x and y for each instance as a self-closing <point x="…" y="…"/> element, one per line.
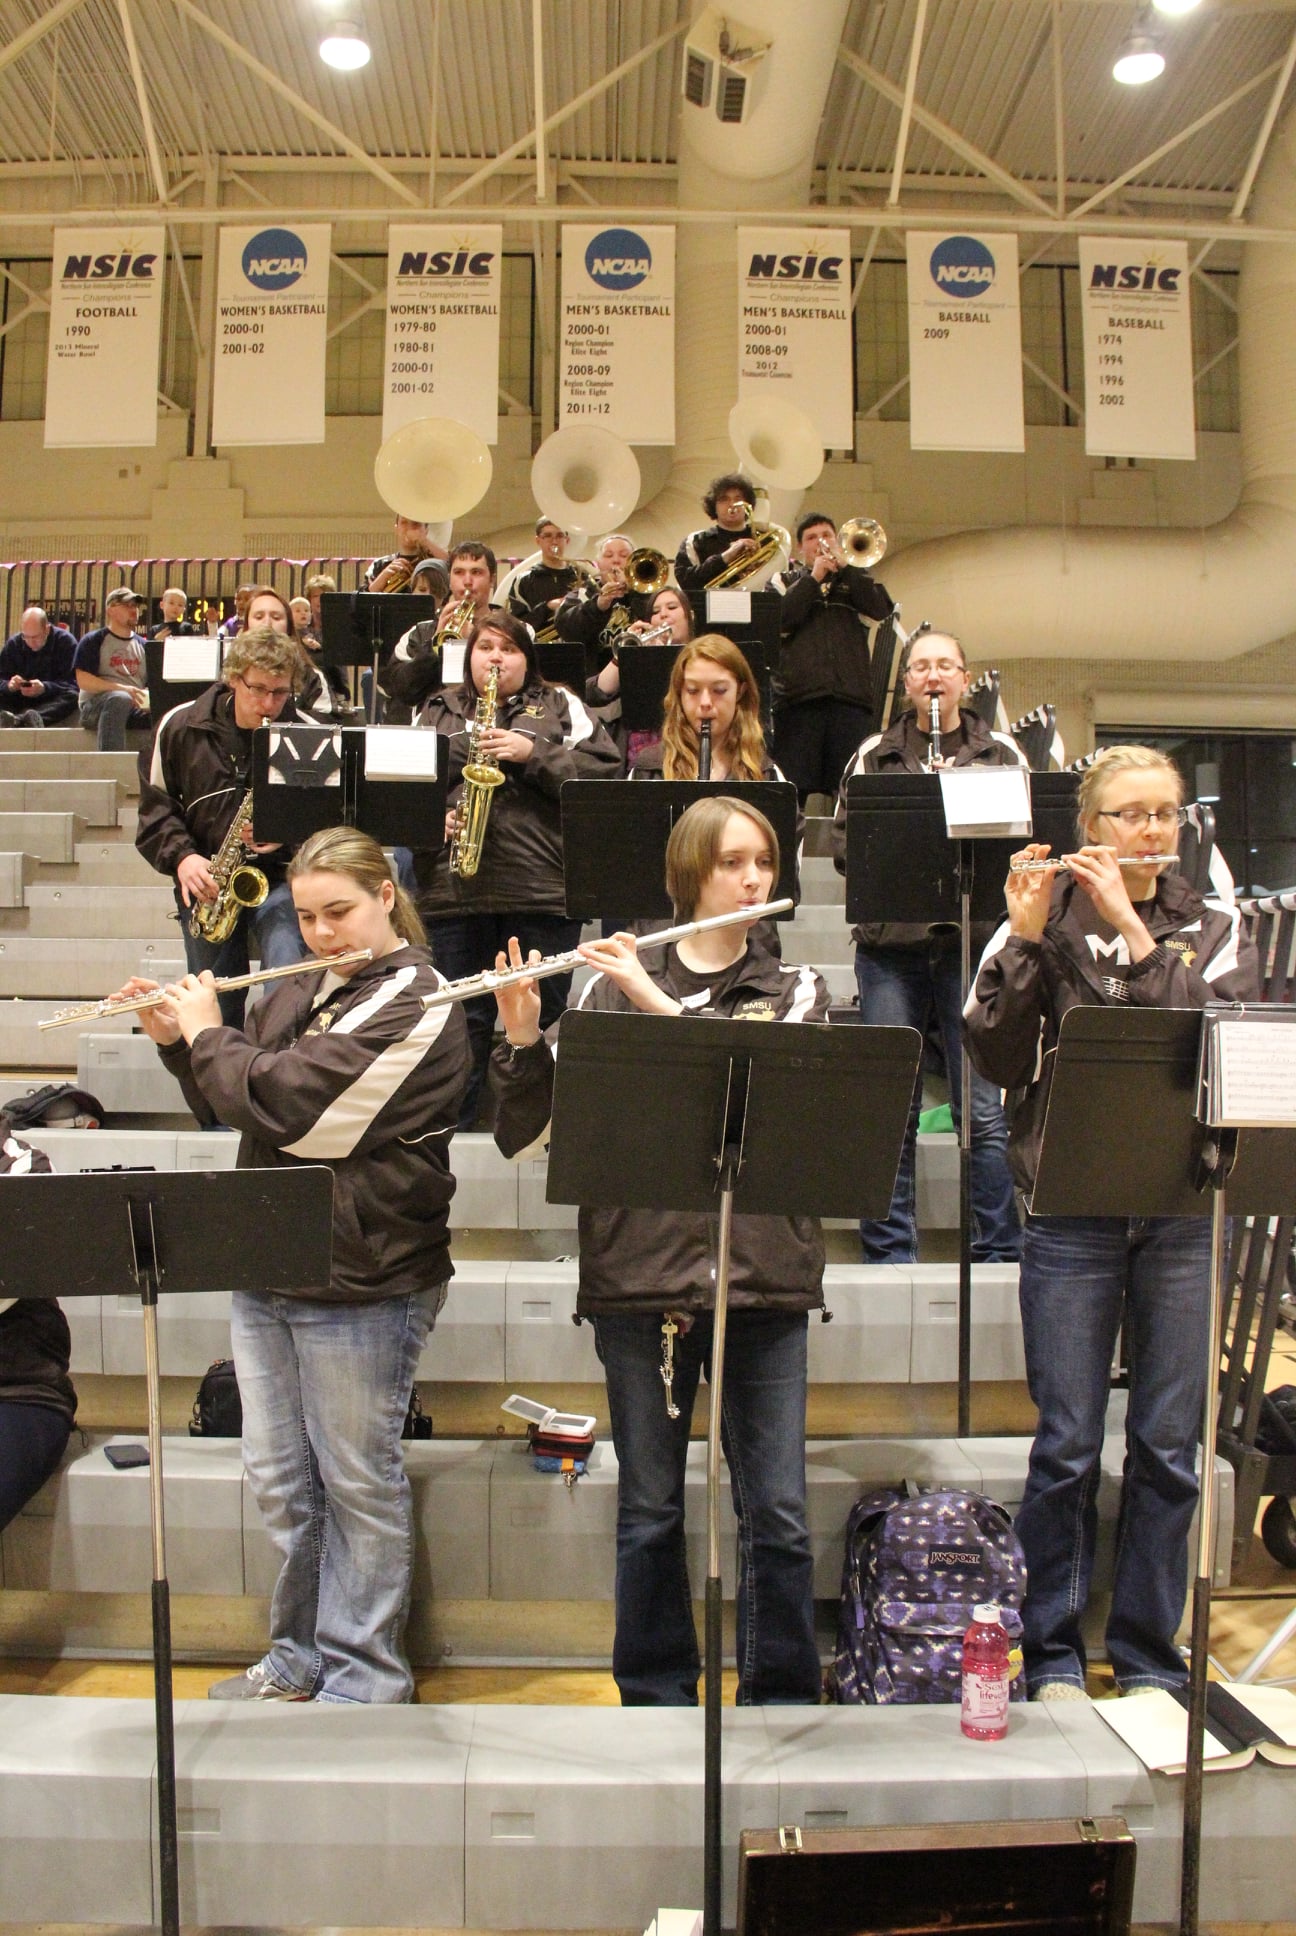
<point x="1175" y="6"/>
<point x="344" y="46"/>
<point x="1139" y="60"/>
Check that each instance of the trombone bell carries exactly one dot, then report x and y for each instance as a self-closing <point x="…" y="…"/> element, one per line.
<point x="647" y="570"/>
<point x="863" y="542"/>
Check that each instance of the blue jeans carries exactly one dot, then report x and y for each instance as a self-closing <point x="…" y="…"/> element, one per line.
<point x="464" y="944"/>
<point x="1078" y="1276"/>
<point x="33" y="1439"/>
<point x="899" y="987"/>
<point x="277" y="939"/>
<point x="325" y="1390"/>
<point x="655" y="1653"/>
<point x="108" y="714"/>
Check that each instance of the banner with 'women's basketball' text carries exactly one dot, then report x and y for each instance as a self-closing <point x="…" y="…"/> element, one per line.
<point x="271" y="326"/>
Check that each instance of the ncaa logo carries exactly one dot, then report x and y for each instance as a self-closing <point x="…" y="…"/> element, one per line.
<point x="962" y="266"/>
<point x="274" y="259"/>
<point x="618" y="259"/>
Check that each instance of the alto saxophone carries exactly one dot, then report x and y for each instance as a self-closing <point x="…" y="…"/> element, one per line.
<point x="239" y="885"/>
<point x="481" y="776"/>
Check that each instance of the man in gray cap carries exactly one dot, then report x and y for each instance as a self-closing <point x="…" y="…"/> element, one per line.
<point x="110" y="673"/>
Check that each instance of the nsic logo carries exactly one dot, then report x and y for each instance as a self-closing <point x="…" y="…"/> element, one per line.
<point x="444" y="262"/>
<point x="274" y="259"/>
<point x="962" y="266"/>
<point x="1134" y="275"/>
<point x="80" y="268"/>
<point x="618" y="259"/>
<point x="801" y="268"/>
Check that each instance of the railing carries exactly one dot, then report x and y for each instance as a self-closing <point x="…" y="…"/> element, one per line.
<point x="72" y="590"/>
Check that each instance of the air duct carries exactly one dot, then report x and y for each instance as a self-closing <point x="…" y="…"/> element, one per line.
<point x="1041" y="592"/>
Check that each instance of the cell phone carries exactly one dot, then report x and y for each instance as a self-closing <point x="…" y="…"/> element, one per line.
<point x="125" y="1456"/>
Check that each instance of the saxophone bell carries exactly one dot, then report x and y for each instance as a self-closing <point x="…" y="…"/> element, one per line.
<point x="481" y="776"/>
<point x="239" y="884"/>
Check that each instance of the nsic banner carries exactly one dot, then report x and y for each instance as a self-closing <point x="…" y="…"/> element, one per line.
<point x="965" y="379"/>
<point x="617" y="352"/>
<point x="271" y="323"/>
<point x="1137" y="348"/>
<point x="794" y="325"/>
<point x="443" y="323"/>
<point x="101" y="373"/>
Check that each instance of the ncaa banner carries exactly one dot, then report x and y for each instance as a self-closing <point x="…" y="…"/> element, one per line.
<point x="1137" y="348"/>
<point x="965" y="380"/>
<point x="794" y="325"/>
<point x="443" y="324"/>
<point x="271" y="322"/>
<point x="617" y="352"/>
<point x="101" y="372"/>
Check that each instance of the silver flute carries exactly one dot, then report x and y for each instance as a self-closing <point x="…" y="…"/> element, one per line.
<point x="1064" y="867"/>
<point x="491" y="979"/>
<point x="133" y="1004"/>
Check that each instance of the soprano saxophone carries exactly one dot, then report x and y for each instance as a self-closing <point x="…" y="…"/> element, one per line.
<point x="481" y="776"/>
<point x="239" y="885"/>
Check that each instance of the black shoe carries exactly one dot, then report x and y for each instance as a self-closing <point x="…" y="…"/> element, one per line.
<point x="31" y="717"/>
<point x="8" y="719"/>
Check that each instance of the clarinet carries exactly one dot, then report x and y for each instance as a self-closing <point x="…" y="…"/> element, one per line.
<point x="704" y="750"/>
<point x="934" y="760"/>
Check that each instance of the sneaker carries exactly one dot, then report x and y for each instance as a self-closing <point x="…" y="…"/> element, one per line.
<point x="8" y="719"/>
<point x="1059" y="1691"/>
<point x="256" y="1683"/>
<point x="31" y="717"/>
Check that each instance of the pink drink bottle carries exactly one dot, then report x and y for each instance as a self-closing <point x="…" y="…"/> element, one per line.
<point x="986" y="1673"/>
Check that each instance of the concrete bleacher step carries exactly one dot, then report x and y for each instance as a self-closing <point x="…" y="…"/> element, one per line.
<point x="52" y="739"/>
<point x="67" y="968"/>
<point x="33" y="761"/>
<point x="107" y="863"/>
<point x="97" y="802"/>
<point x="70" y="910"/>
<point x="23" y="1044"/>
<point x="509" y="1817"/>
<point x="16" y="871"/>
<point x="821" y="884"/>
<point x="46" y="836"/>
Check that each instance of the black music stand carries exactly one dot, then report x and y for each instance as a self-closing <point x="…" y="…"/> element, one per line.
<point x="614" y="835"/>
<point x="563" y="662"/>
<point x="757" y="638"/>
<point x="1129" y="1068"/>
<point x="362" y="629"/>
<point x="165" y="693"/>
<point x="727" y="1116"/>
<point x="902" y="866"/>
<point x="268" y="1231"/>
<point x="309" y="776"/>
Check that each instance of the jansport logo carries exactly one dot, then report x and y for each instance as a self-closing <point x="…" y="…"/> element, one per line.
<point x="962" y="266"/>
<point x="618" y="259"/>
<point x="954" y="1558"/>
<point x="1135" y="275"/>
<point x="118" y="266"/>
<point x="275" y="259"/>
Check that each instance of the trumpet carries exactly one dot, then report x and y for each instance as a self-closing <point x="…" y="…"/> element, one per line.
<point x="1063" y="866"/>
<point x="491" y="979"/>
<point x="132" y="1004"/>
<point x="655" y="635"/>
<point x="455" y="621"/>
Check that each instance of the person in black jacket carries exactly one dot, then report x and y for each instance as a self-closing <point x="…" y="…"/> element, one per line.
<point x="908" y="972"/>
<point x="172" y="622"/>
<point x="590" y="613"/>
<point x="823" y="686"/>
<point x="640" y="1268"/>
<point x="537" y="594"/>
<point x="542" y="735"/>
<point x="37" y="1401"/>
<point x="1107" y="936"/>
<point x="704" y="554"/>
<point x="37" y="682"/>
<point x="193" y="780"/>
<point x="351" y="1068"/>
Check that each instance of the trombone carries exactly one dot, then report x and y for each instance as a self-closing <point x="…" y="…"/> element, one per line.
<point x="861" y="543"/>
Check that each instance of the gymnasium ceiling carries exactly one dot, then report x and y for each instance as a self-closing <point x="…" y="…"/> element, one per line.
<point x="108" y="105"/>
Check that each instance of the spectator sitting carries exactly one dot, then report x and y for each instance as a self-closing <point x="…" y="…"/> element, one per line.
<point x="37" y="1401"/>
<point x="36" y="672"/>
<point x="109" y="669"/>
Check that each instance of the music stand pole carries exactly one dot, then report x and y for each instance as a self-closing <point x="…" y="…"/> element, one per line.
<point x="965" y="1152"/>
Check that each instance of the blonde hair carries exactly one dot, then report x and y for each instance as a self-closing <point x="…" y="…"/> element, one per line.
<point x="693" y="850"/>
<point x="267" y="650"/>
<point x="745" y="739"/>
<point x="1114" y="760"/>
<point x="357" y="856"/>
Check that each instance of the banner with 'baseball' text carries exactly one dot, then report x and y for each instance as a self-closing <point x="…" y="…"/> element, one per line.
<point x="1137" y="317"/>
<point x="101" y="370"/>
<point x="965" y="378"/>
<point x="271" y="326"/>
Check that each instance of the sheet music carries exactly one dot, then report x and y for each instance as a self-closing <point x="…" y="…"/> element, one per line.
<point x="728" y="607"/>
<point x="1255" y="1068"/>
<point x="191" y="659"/>
<point x="400" y="753"/>
<point x="453" y="653"/>
<point x="981" y="801"/>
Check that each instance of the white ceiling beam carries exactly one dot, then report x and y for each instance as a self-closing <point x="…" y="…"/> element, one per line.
<point x="1184" y="134"/>
<point x="14" y="49"/>
<point x="270" y="79"/>
<point x="537" y="79"/>
<point x="434" y="104"/>
<point x="141" y="95"/>
<point x="906" y="105"/>
<point x="33" y="295"/>
<point x="1219" y="356"/>
<point x="1059" y="121"/>
<point x="967" y="150"/>
<point x="1266" y="129"/>
<point x="28" y="309"/>
<point x="562" y="114"/>
<point x="861" y="274"/>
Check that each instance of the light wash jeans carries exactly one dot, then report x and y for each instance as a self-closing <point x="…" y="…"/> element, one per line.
<point x="655" y="1652"/>
<point x="109" y="714"/>
<point x="1078" y="1275"/>
<point x="325" y="1390"/>
<point x="274" y="931"/>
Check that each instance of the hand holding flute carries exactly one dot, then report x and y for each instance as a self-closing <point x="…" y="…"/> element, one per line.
<point x="185" y="1007"/>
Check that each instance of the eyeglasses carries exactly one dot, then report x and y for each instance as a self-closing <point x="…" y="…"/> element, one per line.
<point x="265" y="692"/>
<point x="1135" y="817"/>
<point x="924" y="669"/>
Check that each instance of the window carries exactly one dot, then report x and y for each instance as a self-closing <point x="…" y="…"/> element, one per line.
<point x="1255" y="777"/>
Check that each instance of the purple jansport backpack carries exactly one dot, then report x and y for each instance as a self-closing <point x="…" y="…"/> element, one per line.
<point x="916" y="1565"/>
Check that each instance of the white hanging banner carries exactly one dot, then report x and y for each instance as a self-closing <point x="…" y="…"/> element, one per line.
<point x="1137" y="348"/>
<point x="443" y="323"/>
<point x="101" y="372"/>
<point x="965" y="377"/>
<point x="617" y="354"/>
<point x="794" y="325"/>
<point x="271" y="325"/>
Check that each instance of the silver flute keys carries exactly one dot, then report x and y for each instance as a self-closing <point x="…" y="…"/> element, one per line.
<point x="1063" y="867"/>
<point x="670" y="1331"/>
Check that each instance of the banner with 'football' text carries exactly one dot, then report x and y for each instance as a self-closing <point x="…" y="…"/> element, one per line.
<point x="616" y="364"/>
<point x="443" y="327"/>
<point x="965" y="378"/>
<point x="101" y="370"/>
<point x="271" y="325"/>
<point x="1137" y="348"/>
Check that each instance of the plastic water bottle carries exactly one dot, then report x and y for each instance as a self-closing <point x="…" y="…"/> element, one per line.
<point x="986" y="1674"/>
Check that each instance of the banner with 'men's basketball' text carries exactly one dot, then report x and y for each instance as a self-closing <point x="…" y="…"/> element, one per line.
<point x="617" y="350"/>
